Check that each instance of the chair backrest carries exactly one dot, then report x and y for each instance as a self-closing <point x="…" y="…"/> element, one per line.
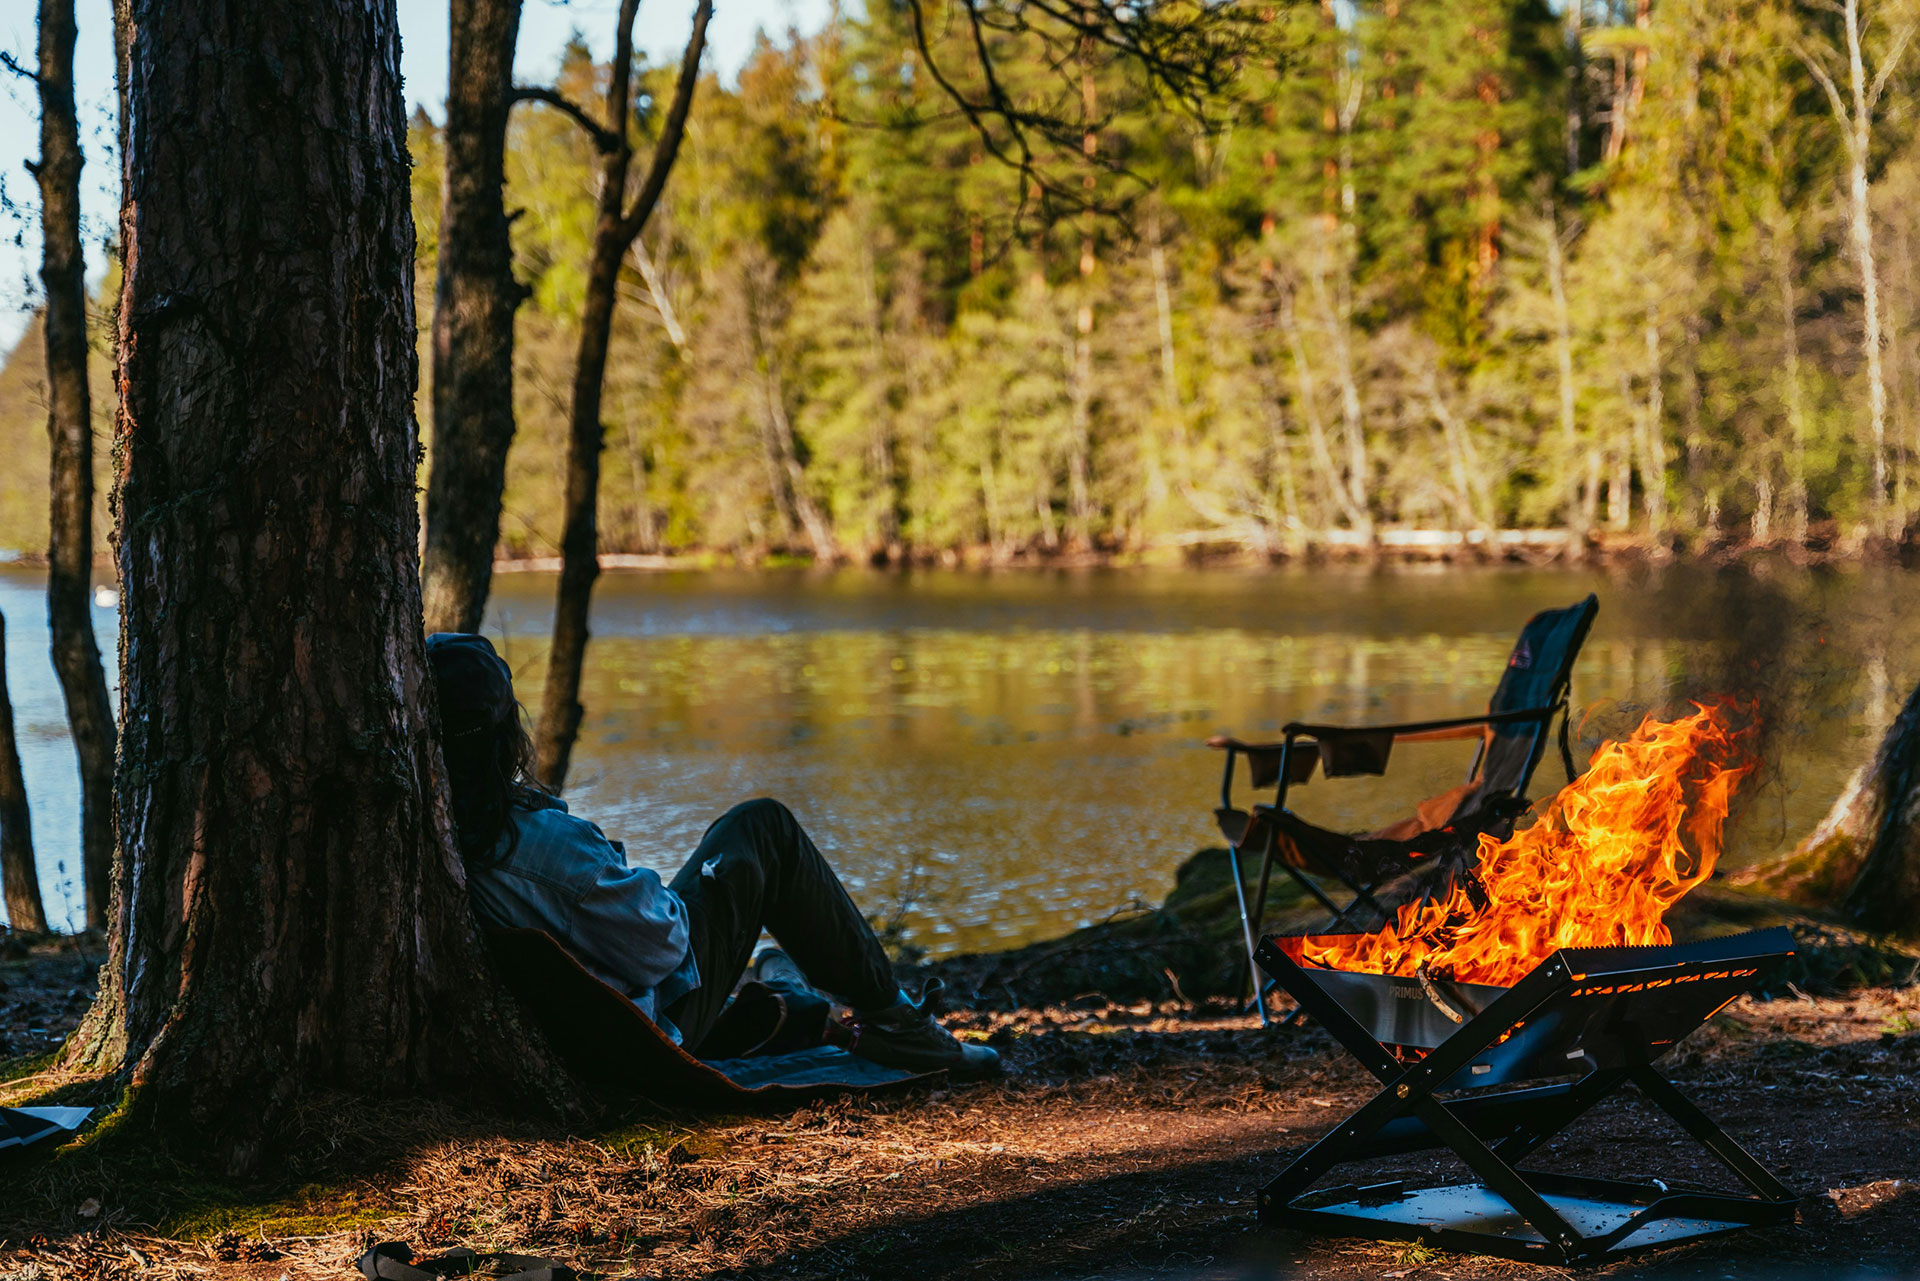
<point x="1537" y="675"/>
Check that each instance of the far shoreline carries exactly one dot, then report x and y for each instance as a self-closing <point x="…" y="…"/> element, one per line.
<point x="1825" y="546"/>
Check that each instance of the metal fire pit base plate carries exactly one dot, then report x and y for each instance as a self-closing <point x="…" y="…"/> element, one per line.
<point x="1472" y="1217"/>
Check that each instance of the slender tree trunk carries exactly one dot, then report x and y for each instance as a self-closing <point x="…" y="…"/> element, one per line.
<point x="1349" y="503"/>
<point x="1620" y="484"/>
<point x="1653" y="450"/>
<point x="19" y="876"/>
<point x="1790" y="389"/>
<point x="1079" y="500"/>
<point x="1578" y="519"/>
<point x="76" y="655"/>
<point x="616" y="227"/>
<point x="560" y="708"/>
<point x="796" y="503"/>
<point x="1352" y="417"/>
<point x="1860" y="237"/>
<point x="294" y="914"/>
<point x="657" y="294"/>
<point x="1853" y="110"/>
<point x="1860" y="219"/>
<point x="882" y="443"/>
<point x="1576" y="84"/>
<point x="475" y="297"/>
<point x="1156" y="442"/>
<point x="1463" y="461"/>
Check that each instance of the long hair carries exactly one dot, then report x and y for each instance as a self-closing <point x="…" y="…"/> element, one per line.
<point x="489" y="759"/>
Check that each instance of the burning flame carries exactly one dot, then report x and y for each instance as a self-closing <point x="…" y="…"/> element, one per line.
<point x="1599" y="869"/>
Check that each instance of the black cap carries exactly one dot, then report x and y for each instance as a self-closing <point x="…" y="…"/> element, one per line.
<point x="474" y="684"/>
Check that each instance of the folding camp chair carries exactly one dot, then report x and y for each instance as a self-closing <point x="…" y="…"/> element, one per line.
<point x="1444" y="831"/>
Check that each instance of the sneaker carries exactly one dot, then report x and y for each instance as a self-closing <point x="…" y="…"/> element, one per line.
<point x="906" y="1037"/>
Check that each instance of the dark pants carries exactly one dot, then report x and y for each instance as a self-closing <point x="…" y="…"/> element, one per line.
<point x="767" y="874"/>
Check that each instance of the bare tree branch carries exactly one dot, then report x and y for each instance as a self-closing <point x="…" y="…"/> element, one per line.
<point x="1825" y="78"/>
<point x="604" y="139"/>
<point x="18" y="68"/>
<point x="1888" y="63"/>
<point x="673" y="129"/>
<point x="1188" y="52"/>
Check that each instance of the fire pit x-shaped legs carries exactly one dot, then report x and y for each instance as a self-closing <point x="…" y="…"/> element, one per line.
<point x="1553" y="1021"/>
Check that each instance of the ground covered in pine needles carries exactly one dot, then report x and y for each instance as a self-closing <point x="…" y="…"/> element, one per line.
<point x="1127" y="1141"/>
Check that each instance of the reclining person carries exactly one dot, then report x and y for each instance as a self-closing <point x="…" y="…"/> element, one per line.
<point x="677" y="951"/>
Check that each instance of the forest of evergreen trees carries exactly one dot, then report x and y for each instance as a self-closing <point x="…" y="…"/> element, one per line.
<point x="1640" y="271"/>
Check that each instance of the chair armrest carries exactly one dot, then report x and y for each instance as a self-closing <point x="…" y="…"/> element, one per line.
<point x="1421" y="731"/>
<point x="1227" y="743"/>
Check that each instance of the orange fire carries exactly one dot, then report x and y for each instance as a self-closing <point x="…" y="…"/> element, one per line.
<point x="1599" y="869"/>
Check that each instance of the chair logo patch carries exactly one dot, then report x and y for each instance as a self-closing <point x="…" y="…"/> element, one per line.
<point x="1522" y="657"/>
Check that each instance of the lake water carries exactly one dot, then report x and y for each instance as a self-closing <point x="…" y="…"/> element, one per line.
<point x="1003" y="757"/>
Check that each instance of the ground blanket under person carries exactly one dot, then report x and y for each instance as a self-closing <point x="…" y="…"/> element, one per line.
<point x="605" y="1039"/>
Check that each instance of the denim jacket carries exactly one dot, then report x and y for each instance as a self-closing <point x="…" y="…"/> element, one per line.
<point x="562" y="875"/>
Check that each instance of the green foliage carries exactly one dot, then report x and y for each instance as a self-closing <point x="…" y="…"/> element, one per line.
<point x="1462" y="266"/>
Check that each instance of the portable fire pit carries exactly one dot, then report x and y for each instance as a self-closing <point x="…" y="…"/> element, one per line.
<point x="1605" y="1014"/>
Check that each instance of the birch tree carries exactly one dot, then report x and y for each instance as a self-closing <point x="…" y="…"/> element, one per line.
<point x="1839" y="63"/>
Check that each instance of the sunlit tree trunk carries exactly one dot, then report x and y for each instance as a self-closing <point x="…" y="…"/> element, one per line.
<point x="76" y="655"/>
<point x="1578" y="513"/>
<point x="1169" y="369"/>
<point x="19" y="877"/>
<point x="882" y="468"/>
<point x="1853" y="112"/>
<point x="1079" y="497"/>
<point x="790" y="493"/>
<point x="1352" y="504"/>
<point x="293" y="916"/>
<point x="1791" y="394"/>
<point x="475" y="297"/>
<point x="1576" y="84"/>
<point x="1653" y="450"/>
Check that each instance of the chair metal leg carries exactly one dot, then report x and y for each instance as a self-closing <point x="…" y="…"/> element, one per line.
<point x="1246" y="931"/>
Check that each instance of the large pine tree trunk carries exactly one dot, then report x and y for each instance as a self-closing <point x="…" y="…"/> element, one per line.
<point x="1864" y="858"/>
<point x="19" y="878"/>
<point x="293" y="914"/>
<point x="475" y="297"/>
<point x="76" y="656"/>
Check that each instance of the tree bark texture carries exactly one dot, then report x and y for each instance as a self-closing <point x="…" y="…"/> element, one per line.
<point x="19" y="877"/>
<point x="76" y="655"/>
<point x="616" y="226"/>
<point x="293" y="915"/>
<point x="475" y="297"/>
<point x="1864" y="858"/>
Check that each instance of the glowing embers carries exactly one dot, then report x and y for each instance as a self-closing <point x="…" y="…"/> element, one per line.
<point x="1610" y="854"/>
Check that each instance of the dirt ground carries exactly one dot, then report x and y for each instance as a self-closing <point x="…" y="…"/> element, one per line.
<point x="1126" y="1142"/>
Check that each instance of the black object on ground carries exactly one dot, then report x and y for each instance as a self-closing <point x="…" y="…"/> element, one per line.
<point x="1605" y="1013"/>
<point x="394" y="1261"/>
